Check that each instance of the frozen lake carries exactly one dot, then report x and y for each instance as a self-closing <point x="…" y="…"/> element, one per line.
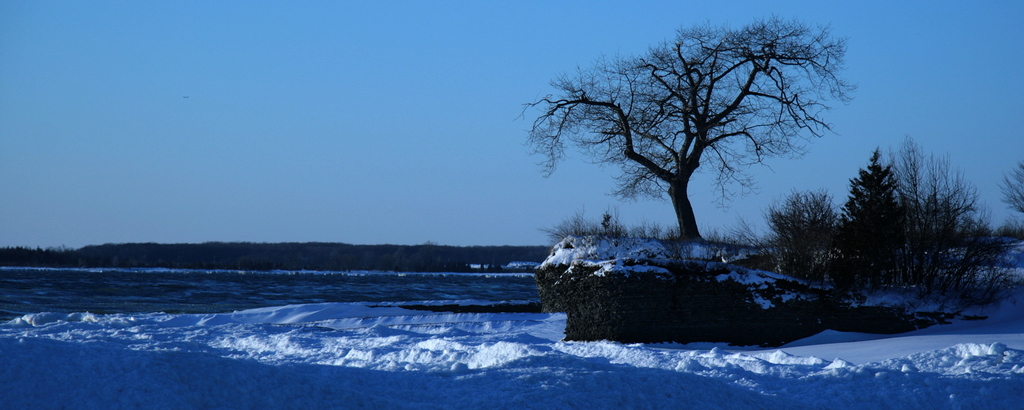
<point x="24" y="291"/>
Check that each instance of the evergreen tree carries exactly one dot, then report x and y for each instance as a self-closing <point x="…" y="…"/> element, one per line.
<point x="870" y="232"/>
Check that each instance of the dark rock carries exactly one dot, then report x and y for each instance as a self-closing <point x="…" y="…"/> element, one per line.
<point x="659" y="300"/>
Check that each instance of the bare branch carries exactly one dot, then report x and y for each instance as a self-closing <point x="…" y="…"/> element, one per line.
<point x="746" y="95"/>
<point x="1013" y="188"/>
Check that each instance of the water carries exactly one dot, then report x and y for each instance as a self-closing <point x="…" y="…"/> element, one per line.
<point x="25" y="291"/>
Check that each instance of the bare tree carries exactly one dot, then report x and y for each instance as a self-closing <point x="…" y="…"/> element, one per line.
<point x="728" y="98"/>
<point x="801" y="229"/>
<point x="948" y="249"/>
<point x="1013" y="188"/>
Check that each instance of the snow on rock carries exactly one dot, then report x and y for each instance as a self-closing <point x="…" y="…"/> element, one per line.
<point x="754" y="277"/>
<point x="618" y="255"/>
<point x="602" y="248"/>
<point x="597" y="248"/>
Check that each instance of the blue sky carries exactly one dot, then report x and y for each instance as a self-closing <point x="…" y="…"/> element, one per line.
<point x="399" y="122"/>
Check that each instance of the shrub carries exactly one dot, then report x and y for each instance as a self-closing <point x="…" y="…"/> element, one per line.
<point x="1011" y="229"/>
<point x="579" y="225"/>
<point x="912" y="224"/>
<point x="948" y="249"/>
<point x="801" y="229"/>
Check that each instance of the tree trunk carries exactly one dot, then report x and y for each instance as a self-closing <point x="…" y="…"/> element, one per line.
<point x="684" y="211"/>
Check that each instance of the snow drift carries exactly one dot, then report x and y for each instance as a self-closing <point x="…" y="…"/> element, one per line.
<point x="357" y="356"/>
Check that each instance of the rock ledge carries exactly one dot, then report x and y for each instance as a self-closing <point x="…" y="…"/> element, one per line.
<point x="641" y="291"/>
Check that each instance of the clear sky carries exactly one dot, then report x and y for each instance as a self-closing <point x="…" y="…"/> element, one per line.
<point x="399" y="122"/>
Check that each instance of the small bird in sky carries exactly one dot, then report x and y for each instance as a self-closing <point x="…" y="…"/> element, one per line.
<point x="185" y="96"/>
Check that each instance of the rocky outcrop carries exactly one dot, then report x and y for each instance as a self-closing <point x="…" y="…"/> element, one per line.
<point x="637" y="291"/>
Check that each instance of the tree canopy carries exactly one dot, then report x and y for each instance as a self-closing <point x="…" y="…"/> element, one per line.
<point x="724" y="97"/>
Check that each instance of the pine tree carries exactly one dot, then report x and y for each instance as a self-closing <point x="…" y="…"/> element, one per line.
<point x="870" y="232"/>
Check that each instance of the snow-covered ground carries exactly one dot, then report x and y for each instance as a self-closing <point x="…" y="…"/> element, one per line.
<point x="358" y="355"/>
<point x="352" y="355"/>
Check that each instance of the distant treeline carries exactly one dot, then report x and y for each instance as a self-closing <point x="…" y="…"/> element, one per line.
<point x="283" y="256"/>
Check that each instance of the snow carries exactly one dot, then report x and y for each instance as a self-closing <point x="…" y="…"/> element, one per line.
<point x="615" y="255"/>
<point x="628" y="256"/>
<point x="362" y="355"/>
<point x="354" y="355"/>
<point x="597" y="248"/>
<point x="600" y="248"/>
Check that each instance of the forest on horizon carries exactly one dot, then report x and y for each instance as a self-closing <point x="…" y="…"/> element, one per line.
<point x="319" y="256"/>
